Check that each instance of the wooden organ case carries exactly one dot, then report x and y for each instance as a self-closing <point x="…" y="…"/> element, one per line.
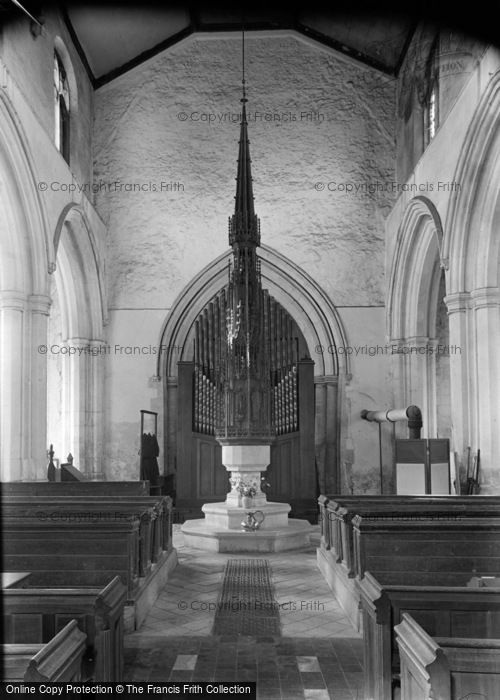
<point x="200" y="474"/>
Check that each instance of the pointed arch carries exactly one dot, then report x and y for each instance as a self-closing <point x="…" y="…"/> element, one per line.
<point x="412" y="311"/>
<point x="412" y="282"/>
<point x="80" y="291"/>
<point x="294" y="289"/>
<point x="319" y="322"/>
<point x="472" y="245"/>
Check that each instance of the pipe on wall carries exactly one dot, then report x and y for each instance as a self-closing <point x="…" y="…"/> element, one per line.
<point x="412" y="414"/>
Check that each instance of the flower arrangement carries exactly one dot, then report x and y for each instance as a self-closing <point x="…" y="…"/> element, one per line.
<point x="246" y="490"/>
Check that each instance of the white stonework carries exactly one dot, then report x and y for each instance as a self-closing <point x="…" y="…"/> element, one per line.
<point x="245" y="463"/>
<point x="225" y="516"/>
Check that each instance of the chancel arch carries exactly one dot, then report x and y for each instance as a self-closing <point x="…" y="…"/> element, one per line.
<point x="417" y="318"/>
<point x="75" y="339"/>
<point x="320" y="329"/>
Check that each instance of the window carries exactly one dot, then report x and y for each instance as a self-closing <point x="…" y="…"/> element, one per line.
<point x="61" y="107"/>
<point x="431" y="102"/>
<point x="432" y="113"/>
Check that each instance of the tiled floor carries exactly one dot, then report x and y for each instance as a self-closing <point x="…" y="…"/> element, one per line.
<point x="319" y="654"/>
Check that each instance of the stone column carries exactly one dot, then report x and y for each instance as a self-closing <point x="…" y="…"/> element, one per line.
<point x="23" y="385"/>
<point x="39" y="306"/>
<point x="461" y="364"/>
<point x="12" y="384"/>
<point x="73" y="412"/>
<point x="486" y="423"/>
<point x="320" y="400"/>
<point x="95" y="422"/>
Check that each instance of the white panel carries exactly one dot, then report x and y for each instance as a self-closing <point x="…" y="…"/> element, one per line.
<point x="410" y="478"/>
<point x="440" y="478"/>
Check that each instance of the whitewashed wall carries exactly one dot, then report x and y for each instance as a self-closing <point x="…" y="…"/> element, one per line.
<point x="330" y="124"/>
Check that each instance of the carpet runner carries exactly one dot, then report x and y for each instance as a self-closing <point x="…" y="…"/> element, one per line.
<point x="246" y="604"/>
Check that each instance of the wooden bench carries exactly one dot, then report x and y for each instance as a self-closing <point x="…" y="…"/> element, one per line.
<point x="75" y="488"/>
<point x="416" y="552"/>
<point x="58" y="660"/>
<point x="70" y="552"/>
<point x="336" y="554"/>
<point x="337" y="513"/>
<point x="37" y="614"/>
<point x="83" y="541"/>
<point x="441" y="611"/>
<point x="154" y="512"/>
<point x="446" y="668"/>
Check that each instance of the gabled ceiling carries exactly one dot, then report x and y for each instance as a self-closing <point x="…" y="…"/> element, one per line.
<point x="113" y="37"/>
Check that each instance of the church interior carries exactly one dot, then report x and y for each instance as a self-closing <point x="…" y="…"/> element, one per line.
<point x="249" y="426"/>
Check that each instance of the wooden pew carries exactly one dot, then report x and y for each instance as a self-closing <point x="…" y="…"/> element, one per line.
<point x="416" y="552"/>
<point x="75" y="488"/>
<point x="83" y="541"/>
<point x="61" y="553"/>
<point x="58" y="660"/>
<point x="37" y="614"/>
<point x="446" y="668"/>
<point x="154" y="512"/>
<point x="336" y="554"/>
<point x="443" y="611"/>
<point x="337" y="515"/>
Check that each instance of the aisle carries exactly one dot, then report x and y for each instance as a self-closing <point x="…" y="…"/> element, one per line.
<point x="318" y="654"/>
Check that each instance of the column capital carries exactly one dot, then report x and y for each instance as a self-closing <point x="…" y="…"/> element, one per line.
<point x="457" y="301"/>
<point x="40" y="303"/>
<point x="326" y="379"/>
<point x="485" y="297"/>
<point x="13" y="299"/>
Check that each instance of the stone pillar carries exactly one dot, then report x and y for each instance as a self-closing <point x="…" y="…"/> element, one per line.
<point x="23" y="385"/>
<point x="245" y="463"/>
<point x="326" y="433"/>
<point x="332" y="431"/>
<point x="12" y="312"/>
<point x="461" y="364"/>
<point x="486" y="424"/>
<point x="320" y="401"/>
<point x="95" y="413"/>
<point x="39" y="306"/>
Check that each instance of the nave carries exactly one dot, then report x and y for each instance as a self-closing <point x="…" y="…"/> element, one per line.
<point x="318" y="654"/>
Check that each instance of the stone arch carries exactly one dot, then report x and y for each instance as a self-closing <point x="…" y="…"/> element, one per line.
<point x="80" y="291"/>
<point x="414" y="285"/>
<point x="472" y="246"/>
<point x="26" y="254"/>
<point x="296" y="291"/>
<point x="318" y="321"/>
<point x="411" y="284"/>
<point x="473" y="216"/>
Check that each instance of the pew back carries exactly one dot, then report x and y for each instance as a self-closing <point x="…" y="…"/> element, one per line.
<point x="75" y="488"/>
<point x="439" y="610"/>
<point x="426" y="551"/>
<point x="36" y="615"/>
<point x="444" y="668"/>
<point x="58" y="660"/>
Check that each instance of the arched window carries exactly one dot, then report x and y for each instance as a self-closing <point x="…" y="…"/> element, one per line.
<point x="61" y="107"/>
<point x="431" y="103"/>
